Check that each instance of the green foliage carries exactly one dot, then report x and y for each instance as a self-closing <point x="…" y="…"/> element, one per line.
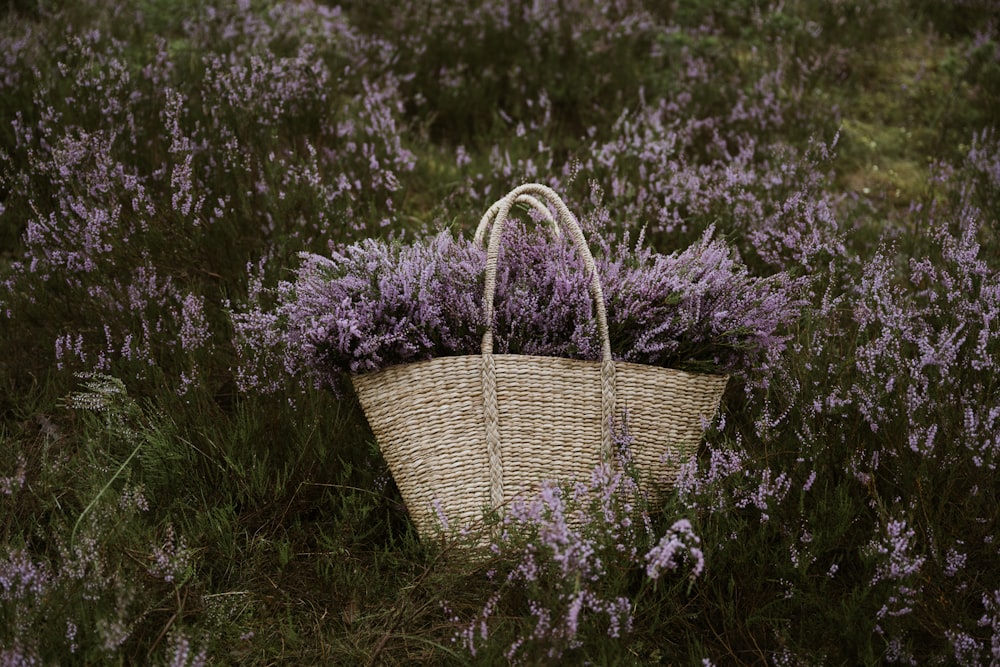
<point x="152" y="150"/>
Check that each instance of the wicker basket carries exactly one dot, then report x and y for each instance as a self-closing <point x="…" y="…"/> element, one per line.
<point x="465" y="434"/>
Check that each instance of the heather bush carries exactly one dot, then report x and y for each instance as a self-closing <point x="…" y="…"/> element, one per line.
<point x="673" y="162"/>
<point x="101" y="587"/>
<point x="144" y="175"/>
<point x="884" y="397"/>
<point x="470" y="68"/>
<point x="562" y="561"/>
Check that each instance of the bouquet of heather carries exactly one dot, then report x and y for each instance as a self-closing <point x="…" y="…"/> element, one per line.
<point x="378" y="304"/>
<point x="532" y="340"/>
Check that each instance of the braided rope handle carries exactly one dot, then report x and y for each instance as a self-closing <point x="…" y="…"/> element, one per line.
<point x="534" y="195"/>
<point x="530" y="200"/>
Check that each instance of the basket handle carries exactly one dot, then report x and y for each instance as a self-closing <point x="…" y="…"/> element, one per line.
<point x="534" y="195"/>
<point x="530" y="200"/>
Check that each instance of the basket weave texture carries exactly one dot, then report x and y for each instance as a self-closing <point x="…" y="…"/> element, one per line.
<point x="469" y="433"/>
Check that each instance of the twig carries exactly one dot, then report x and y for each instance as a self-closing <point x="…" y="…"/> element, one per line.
<point x="170" y="622"/>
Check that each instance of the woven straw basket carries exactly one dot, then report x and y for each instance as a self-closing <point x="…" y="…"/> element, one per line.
<point x="466" y="434"/>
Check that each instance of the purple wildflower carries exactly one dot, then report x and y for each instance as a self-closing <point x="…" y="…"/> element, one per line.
<point x="21" y="578"/>
<point x="172" y="559"/>
<point x="679" y="543"/>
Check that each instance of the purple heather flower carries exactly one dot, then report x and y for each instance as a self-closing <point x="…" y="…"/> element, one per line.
<point x="679" y="543"/>
<point x="21" y="577"/>
<point x="171" y="559"/>
<point x="991" y="619"/>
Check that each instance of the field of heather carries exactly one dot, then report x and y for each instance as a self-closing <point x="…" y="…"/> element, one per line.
<point x="213" y="211"/>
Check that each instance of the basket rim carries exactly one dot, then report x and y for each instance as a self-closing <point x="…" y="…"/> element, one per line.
<point x="566" y="360"/>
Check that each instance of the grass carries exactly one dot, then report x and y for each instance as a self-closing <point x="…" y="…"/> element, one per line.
<point x="153" y="509"/>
